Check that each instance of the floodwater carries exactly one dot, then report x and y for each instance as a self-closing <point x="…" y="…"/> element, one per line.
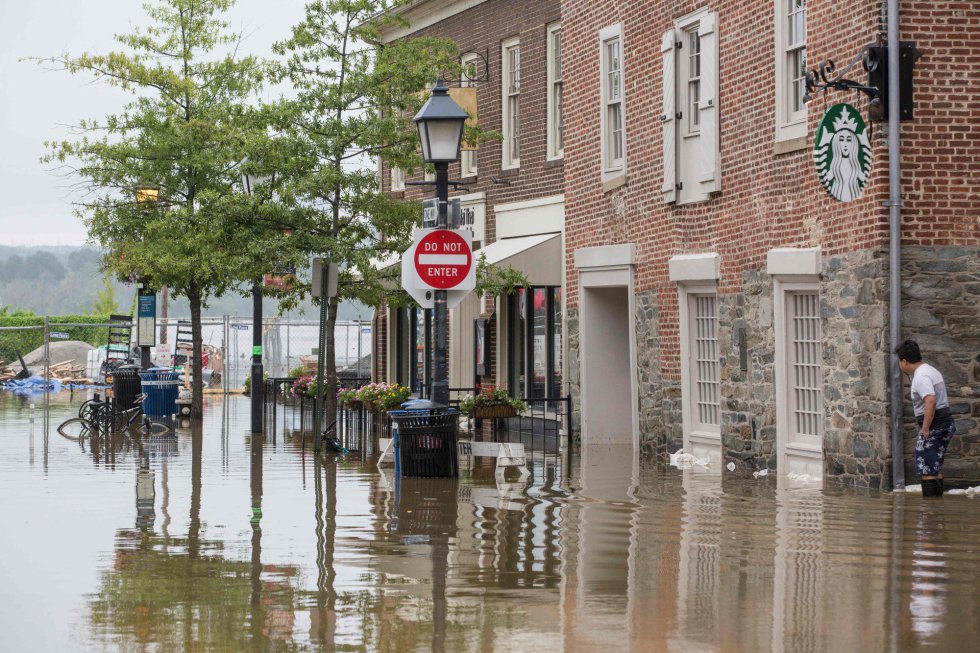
<point x="218" y="541"/>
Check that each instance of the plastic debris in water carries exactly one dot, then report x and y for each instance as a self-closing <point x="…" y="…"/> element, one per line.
<point x="683" y="460"/>
<point x="730" y="467"/>
<point x="913" y="489"/>
<point x="802" y="478"/>
<point x="761" y="472"/>
<point x="969" y="492"/>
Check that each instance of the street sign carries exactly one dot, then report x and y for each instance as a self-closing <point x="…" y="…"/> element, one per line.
<point x="332" y="274"/>
<point x="147" y="317"/>
<point x="443" y="260"/>
<point x="59" y="335"/>
<point x="423" y="295"/>
<point x="430" y="213"/>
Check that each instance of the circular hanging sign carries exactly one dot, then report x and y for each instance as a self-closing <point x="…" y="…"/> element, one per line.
<point x="842" y="152"/>
<point x="443" y="259"/>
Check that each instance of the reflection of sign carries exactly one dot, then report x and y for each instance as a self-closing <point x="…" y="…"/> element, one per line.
<point x="147" y="318"/>
<point x="842" y="152"/>
<point x="59" y="335"/>
<point x="443" y="260"/>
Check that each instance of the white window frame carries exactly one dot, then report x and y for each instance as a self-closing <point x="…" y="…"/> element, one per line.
<point x="556" y="144"/>
<point x="689" y="294"/>
<point x="790" y="124"/>
<point x="510" y="155"/>
<point x="467" y="160"/>
<point x="397" y="178"/>
<point x="612" y="166"/>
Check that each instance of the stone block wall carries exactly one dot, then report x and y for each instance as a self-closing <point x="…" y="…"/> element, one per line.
<point x="941" y="311"/>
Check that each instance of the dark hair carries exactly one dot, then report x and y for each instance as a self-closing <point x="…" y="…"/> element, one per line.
<point x="909" y="351"/>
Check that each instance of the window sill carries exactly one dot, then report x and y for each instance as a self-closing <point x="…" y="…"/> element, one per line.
<point x="554" y="163"/>
<point x="789" y="145"/>
<point x="396" y="194"/>
<point x="510" y="172"/>
<point x="612" y="183"/>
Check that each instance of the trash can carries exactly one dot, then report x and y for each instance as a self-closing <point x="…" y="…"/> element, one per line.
<point x="161" y="386"/>
<point x="425" y="441"/>
<point x="126" y="386"/>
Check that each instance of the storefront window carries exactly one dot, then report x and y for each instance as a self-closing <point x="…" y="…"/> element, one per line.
<point x="534" y="342"/>
<point x="415" y="349"/>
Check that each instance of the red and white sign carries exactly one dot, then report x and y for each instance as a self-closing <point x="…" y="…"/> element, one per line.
<point x="444" y="260"/>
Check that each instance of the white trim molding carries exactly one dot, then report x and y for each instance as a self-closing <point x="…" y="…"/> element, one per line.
<point x="793" y="261"/>
<point x="423" y="13"/>
<point x="605" y="256"/>
<point x="695" y="267"/>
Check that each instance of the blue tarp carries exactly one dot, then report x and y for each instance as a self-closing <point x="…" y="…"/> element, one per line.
<point x="32" y="385"/>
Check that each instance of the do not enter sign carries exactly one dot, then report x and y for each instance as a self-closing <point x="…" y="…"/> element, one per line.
<point x="443" y="260"/>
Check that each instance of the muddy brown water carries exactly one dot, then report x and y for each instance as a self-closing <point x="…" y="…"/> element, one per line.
<point x="218" y="541"/>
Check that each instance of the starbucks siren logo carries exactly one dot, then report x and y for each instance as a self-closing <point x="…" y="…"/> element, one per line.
<point x="842" y="152"/>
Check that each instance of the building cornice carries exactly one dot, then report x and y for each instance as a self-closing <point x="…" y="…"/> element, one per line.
<point x="423" y="13"/>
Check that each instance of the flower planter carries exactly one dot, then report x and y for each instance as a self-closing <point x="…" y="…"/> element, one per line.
<point x="494" y="412"/>
<point x="354" y="405"/>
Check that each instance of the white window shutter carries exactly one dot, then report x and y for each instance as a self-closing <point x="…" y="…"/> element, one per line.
<point x="710" y="159"/>
<point x="667" y="119"/>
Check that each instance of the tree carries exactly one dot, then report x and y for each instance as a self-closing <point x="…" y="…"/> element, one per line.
<point x="105" y="298"/>
<point x="184" y="133"/>
<point x="355" y="97"/>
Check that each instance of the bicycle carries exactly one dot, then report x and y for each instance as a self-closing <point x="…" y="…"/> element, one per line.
<point x="96" y="417"/>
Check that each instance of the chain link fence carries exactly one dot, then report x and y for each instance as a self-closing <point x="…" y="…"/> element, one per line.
<point x="51" y="350"/>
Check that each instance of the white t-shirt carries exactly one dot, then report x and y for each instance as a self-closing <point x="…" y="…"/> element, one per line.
<point x="928" y="381"/>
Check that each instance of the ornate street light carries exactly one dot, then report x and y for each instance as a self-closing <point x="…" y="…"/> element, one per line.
<point x="440" y="124"/>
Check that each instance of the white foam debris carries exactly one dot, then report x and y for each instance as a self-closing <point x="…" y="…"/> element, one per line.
<point x="683" y="460"/>
<point x="731" y="467"/>
<point x="969" y="492"/>
<point x="913" y="489"/>
<point x="761" y="472"/>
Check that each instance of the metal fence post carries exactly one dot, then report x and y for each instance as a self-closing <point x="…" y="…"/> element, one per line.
<point x="47" y="352"/>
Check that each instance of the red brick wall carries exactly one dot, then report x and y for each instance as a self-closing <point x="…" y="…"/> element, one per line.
<point x="767" y="200"/>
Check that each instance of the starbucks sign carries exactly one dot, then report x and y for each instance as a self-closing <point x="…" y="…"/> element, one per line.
<point x="842" y="152"/>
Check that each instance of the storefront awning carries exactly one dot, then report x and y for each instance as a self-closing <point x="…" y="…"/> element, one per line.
<point x="537" y="257"/>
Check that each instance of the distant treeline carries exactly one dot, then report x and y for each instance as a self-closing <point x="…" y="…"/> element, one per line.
<point x="63" y="280"/>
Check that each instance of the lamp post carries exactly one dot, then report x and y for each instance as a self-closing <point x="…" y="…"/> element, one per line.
<point x="146" y="195"/>
<point x="440" y="124"/>
<point x="249" y="182"/>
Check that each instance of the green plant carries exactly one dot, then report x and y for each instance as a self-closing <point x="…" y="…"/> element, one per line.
<point x="247" y="391"/>
<point x="298" y="371"/>
<point x="347" y="395"/>
<point x="488" y="397"/>
<point x="26" y="341"/>
<point x="495" y="281"/>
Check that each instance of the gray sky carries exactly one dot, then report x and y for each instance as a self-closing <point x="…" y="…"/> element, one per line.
<point x="36" y="104"/>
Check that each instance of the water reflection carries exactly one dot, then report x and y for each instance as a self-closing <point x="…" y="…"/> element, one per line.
<point x="214" y="548"/>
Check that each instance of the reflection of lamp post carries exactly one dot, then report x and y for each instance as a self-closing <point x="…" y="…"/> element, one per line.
<point x="440" y="124"/>
<point x="249" y="182"/>
<point x="145" y="195"/>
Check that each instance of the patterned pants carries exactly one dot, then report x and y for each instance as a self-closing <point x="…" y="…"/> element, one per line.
<point x="930" y="452"/>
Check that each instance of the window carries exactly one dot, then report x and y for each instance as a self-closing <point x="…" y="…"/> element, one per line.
<point x="705" y="367"/>
<point x="556" y="128"/>
<point x="804" y="358"/>
<point x="511" y="56"/>
<point x="691" y="150"/>
<point x="415" y="349"/>
<point x="397" y="179"/>
<point x="612" y="119"/>
<point x="467" y="162"/>
<point x="534" y="342"/>
<point x="790" y="69"/>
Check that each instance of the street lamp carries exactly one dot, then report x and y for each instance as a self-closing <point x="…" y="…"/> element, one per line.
<point x="440" y="124"/>
<point x="250" y="182"/>
<point x="146" y="307"/>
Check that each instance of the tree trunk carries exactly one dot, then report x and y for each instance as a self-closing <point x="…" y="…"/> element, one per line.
<point x="164" y="309"/>
<point x="197" y="369"/>
<point x="330" y="359"/>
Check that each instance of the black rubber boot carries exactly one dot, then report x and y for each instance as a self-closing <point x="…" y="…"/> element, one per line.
<point x="941" y="488"/>
<point x="932" y="487"/>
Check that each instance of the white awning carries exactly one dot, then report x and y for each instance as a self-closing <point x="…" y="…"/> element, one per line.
<point x="537" y="257"/>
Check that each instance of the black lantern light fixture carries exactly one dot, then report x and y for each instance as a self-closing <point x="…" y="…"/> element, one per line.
<point x="440" y="124"/>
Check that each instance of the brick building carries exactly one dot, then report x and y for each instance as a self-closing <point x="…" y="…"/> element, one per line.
<point x="718" y="298"/>
<point x="513" y="202"/>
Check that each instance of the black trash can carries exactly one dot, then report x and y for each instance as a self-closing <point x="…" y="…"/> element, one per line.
<point x="425" y="442"/>
<point x="126" y="386"/>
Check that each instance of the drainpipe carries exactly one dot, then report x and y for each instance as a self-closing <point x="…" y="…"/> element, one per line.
<point x="894" y="204"/>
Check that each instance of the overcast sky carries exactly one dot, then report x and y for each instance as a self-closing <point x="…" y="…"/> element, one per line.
<point x="36" y="104"/>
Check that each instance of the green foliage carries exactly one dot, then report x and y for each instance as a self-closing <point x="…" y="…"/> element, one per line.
<point x="490" y="396"/>
<point x="25" y="341"/>
<point x="105" y="299"/>
<point x="495" y="281"/>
